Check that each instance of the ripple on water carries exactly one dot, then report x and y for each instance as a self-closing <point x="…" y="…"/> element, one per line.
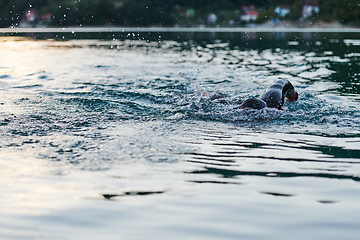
<point x="142" y="123"/>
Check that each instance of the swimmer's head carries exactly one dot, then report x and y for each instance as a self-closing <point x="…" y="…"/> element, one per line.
<point x="292" y="95"/>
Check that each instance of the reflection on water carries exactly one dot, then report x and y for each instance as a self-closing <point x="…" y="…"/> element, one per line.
<point x="129" y="133"/>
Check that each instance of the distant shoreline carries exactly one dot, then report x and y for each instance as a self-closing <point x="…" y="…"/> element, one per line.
<point x="176" y="29"/>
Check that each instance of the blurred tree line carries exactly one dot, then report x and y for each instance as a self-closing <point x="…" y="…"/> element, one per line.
<point x="155" y="12"/>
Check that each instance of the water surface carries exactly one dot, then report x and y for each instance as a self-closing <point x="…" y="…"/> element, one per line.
<point x="133" y="136"/>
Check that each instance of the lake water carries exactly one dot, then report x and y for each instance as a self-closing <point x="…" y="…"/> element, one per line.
<point x="138" y="136"/>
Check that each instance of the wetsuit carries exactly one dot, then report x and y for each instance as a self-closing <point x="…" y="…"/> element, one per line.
<point x="273" y="96"/>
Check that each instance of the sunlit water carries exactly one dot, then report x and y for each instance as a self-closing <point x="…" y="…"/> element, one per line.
<point x="140" y="137"/>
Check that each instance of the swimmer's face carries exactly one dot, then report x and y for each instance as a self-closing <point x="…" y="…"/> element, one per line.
<point x="292" y="95"/>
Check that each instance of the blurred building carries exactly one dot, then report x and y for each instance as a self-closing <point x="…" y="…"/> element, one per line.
<point x="282" y="10"/>
<point x="30" y="15"/>
<point x="249" y="13"/>
<point x="309" y="8"/>
<point x="212" y="18"/>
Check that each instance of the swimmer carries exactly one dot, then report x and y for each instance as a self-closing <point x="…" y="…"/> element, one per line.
<point x="273" y="96"/>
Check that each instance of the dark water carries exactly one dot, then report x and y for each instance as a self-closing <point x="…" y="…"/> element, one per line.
<point x="138" y="136"/>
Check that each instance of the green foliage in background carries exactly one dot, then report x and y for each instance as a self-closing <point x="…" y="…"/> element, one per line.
<point x="160" y="12"/>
